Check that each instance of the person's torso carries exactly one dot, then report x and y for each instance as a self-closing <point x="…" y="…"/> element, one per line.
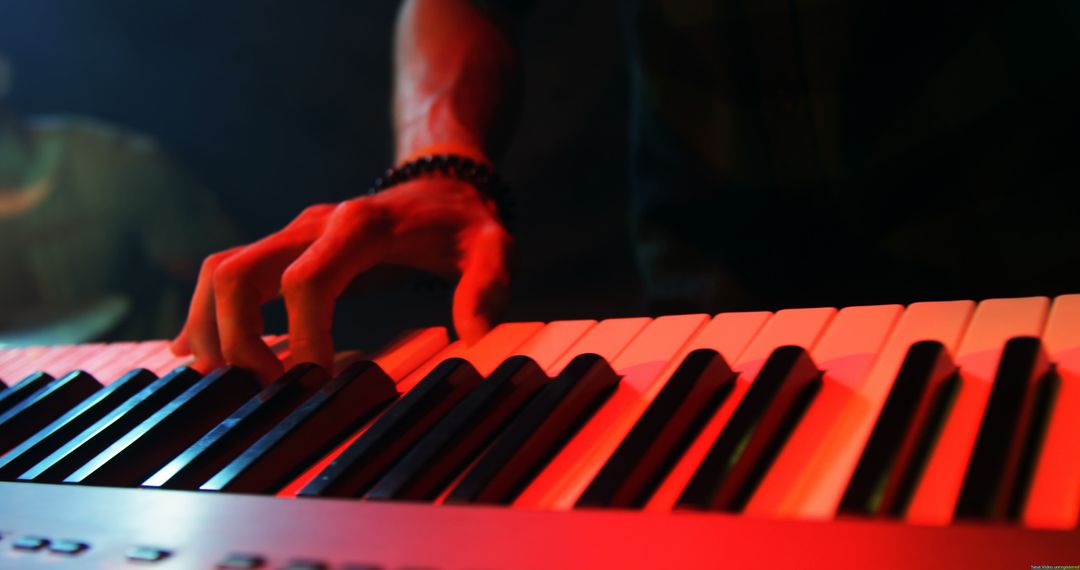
<point x="847" y="137"/>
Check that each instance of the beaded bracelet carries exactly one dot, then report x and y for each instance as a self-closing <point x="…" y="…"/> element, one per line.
<point x="480" y="176"/>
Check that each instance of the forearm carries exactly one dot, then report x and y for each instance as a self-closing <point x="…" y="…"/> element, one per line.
<point x="455" y="80"/>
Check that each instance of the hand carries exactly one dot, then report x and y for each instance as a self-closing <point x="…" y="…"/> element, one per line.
<point x="439" y="225"/>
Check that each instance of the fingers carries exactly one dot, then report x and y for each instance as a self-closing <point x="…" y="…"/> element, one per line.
<point x="312" y="260"/>
<point x="239" y="319"/>
<point x="199" y="336"/>
<point x="241" y="285"/>
<point x="483" y="290"/>
<point x="225" y="321"/>
<point x="251" y="277"/>
<point x="354" y="240"/>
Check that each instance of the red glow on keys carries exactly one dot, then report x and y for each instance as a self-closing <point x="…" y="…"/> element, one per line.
<point x="31" y="360"/>
<point x="994" y="323"/>
<point x="640" y="365"/>
<point x="554" y="341"/>
<point x="793" y="326"/>
<point x="117" y="367"/>
<point x="485" y="355"/>
<point x="100" y="360"/>
<point x="845" y="353"/>
<point x="412" y="350"/>
<point x="60" y="364"/>
<point x="608" y="339"/>
<point x="819" y="490"/>
<point x="1054" y="497"/>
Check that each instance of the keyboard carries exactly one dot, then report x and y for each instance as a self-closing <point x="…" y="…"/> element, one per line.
<point x="940" y="434"/>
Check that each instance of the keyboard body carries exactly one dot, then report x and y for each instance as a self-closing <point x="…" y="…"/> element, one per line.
<point x="792" y="518"/>
<point x="201" y="529"/>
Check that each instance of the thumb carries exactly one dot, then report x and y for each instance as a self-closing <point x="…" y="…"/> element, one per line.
<point x="484" y="288"/>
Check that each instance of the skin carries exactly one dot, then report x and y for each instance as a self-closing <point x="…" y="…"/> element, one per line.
<point x="454" y="73"/>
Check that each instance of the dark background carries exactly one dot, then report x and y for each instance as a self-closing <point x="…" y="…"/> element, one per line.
<point x="275" y="105"/>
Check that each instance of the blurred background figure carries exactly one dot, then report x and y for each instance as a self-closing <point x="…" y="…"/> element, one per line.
<point x="101" y="232"/>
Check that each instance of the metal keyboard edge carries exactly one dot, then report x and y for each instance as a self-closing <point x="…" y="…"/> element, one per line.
<point x="202" y="528"/>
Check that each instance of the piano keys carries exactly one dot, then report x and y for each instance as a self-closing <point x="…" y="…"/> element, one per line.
<point x="935" y="432"/>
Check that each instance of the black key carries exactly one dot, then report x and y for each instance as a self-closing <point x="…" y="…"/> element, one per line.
<point x="226" y="441"/>
<point x="755" y="433"/>
<point x="148" y="446"/>
<point x="312" y="429"/>
<point x="663" y="433"/>
<point x="905" y="432"/>
<point x="44" y="406"/>
<point x="22" y="390"/>
<point x="91" y="441"/>
<point x="396" y="430"/>
<point x="999" y="471"/>
<point x="537" y="433"/>
<point x="447" y="449"/>
<point x="51" y="437"/>
<point x="1046" y="393"/>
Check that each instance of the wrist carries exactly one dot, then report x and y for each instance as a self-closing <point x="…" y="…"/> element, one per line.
<point x="481" y="176"/>
<point x="461" y="149"/>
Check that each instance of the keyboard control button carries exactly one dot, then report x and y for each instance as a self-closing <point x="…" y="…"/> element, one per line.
<point x="30" y="543"/>
<point x="306" y="565"/>
<point x="147" y="554"/>
<point x="68" y="547"/>
<point x="242" y="562"/>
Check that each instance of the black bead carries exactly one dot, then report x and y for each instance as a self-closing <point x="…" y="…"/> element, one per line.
<point x="479" y="175"/>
